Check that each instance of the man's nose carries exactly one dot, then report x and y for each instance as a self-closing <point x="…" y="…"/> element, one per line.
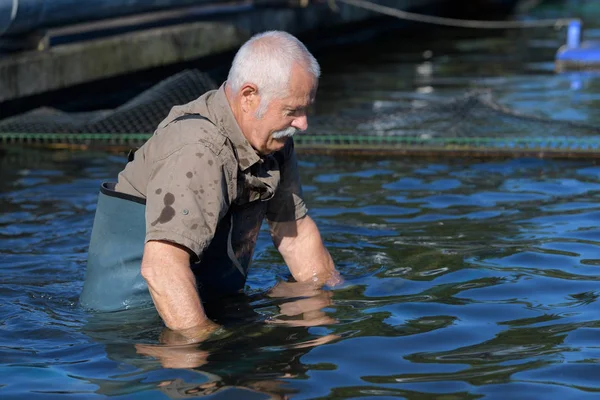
<point x="300" y="123"/>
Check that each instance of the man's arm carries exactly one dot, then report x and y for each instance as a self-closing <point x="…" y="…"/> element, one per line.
<point x="172" y="285"/>
<point x="181" y="222"/>
<point x="302" y="248"/>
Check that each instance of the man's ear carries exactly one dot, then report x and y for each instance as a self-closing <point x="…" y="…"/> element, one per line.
<point x="250" y="97"/>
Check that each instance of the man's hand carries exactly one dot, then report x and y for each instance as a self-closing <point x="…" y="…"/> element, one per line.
<point x="195" y="334"/>
<point x="188" y="356"/>
<point x="302" y="248"/>
<point x="309" y="307"/>
<point x="172" y="284"/>
<point x="179" y="349"/>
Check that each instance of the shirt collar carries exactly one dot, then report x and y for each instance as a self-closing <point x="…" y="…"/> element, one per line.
<point x="223" y="117"/>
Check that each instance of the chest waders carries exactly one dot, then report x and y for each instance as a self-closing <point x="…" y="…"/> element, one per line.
<point x="113" y="275"/>
<point x="113" y="280"/>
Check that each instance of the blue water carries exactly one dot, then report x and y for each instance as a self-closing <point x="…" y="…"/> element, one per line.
<point x="465" y="279"/>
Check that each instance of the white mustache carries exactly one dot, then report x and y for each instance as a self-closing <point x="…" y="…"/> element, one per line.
<point x="285" y="133"/>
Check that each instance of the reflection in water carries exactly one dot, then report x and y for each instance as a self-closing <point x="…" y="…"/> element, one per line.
<point x="306" y="310"/>
<point x="246" y="354"/>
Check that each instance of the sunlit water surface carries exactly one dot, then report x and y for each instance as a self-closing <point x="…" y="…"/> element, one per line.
<point x="465" y="279"/>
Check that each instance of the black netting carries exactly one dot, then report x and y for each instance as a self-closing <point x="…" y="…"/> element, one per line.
<point x="473" y="115"/>
<point x="472" y="121"/>
<point x="140" y="115"/>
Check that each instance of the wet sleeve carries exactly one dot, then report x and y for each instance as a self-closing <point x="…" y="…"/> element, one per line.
<point x="287" y="204"/>
<point x="188" y="192"/>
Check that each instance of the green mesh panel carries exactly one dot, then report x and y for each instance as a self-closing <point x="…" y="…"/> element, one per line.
<point x="473" y="124"/>
<point x="139" y="115"/>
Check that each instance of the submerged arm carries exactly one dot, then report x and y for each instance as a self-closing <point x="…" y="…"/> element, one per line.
<point x="172" y="285"/>
<point x="180" y="223"/>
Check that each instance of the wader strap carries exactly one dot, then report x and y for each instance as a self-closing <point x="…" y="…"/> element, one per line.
<point x="191" y="116"/>
<point x="231" y="253"/>
<point x="278" y="155"/>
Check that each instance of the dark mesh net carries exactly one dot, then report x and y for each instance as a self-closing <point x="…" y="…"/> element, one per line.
<point x="474" y="115"/>
<point x="140" y="115"/>
<point x="471" y="124"/>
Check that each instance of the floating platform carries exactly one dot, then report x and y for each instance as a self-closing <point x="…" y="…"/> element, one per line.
<point x="586" y="57"/>
<point x="576" y="55"/>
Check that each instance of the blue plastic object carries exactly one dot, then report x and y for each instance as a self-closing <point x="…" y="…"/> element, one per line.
<point x="577" y="55"/>
<point x="574" y="34"/>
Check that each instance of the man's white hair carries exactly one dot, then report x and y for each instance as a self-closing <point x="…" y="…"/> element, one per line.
<point x="266" y="60"/>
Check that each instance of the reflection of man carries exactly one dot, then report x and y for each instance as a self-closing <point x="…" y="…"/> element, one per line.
<point x="299" y="304"/>
<point x="237" y="364"/>
<point x="199" y="189"/>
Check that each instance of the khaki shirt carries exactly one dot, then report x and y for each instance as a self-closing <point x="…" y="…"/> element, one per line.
<point x="204" y="183"/>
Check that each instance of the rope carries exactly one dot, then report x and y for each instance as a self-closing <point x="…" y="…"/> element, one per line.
<point x="460" y="23"/>
<point x="342" y="139"/>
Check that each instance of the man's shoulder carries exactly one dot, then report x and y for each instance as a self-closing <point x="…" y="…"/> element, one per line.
<point x="187" y="130"/>
<point x="194" y="124"/>
<point x="196" y="106"/>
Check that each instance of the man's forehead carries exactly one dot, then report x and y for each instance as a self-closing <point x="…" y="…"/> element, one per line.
<point x="299" y="101"/>
<point x="302" y="97"/>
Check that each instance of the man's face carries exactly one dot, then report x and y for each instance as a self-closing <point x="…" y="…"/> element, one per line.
<point x="286" y="116"/>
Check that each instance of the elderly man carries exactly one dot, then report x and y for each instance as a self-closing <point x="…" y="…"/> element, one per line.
<point x="181" y="223"/>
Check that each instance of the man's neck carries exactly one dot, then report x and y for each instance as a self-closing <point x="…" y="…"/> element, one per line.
<point x="237" y="113"/>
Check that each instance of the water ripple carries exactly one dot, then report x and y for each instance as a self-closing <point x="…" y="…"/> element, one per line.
<point x="463" y="278"/>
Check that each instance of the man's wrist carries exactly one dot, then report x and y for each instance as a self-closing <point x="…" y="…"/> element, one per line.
<point x="194" y="334"/>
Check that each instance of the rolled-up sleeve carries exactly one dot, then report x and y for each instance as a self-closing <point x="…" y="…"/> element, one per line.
<point x="187" y="194"/>
<point x="287" y="204"/>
